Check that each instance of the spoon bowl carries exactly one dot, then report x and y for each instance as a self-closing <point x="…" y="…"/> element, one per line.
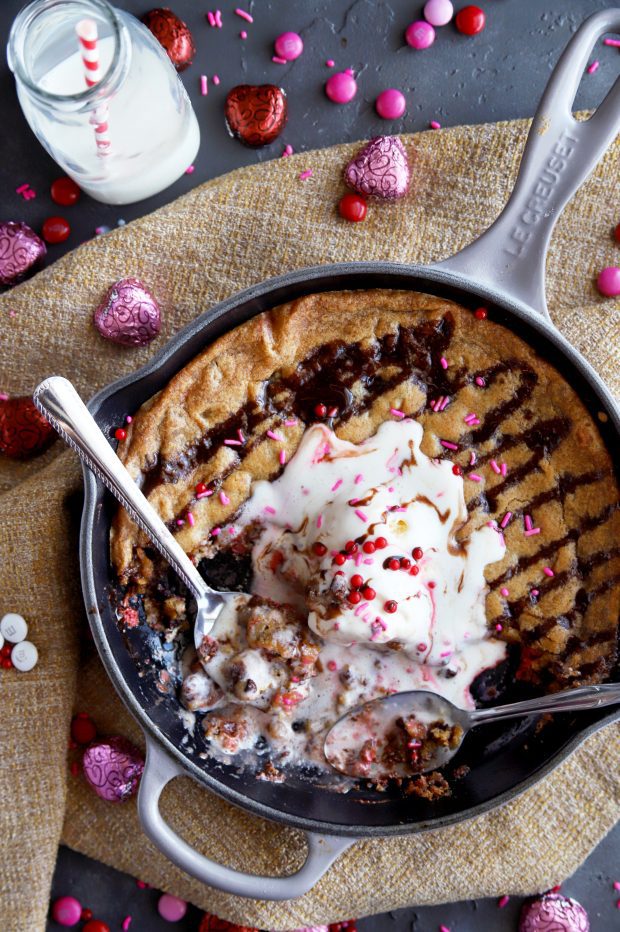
<point x="414" y="732"/>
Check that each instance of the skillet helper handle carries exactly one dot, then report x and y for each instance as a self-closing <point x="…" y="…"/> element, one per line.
<point x="571" y="700"/>
<point x="60" y="403"/>
<point x="559" y="154"/>
<point x="158" y="771"/>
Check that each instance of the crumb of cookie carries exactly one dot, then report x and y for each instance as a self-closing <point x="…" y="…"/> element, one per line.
<point x="429" y="786"/>
<point x="270" y="773"/>
<point x="228" y="728"/>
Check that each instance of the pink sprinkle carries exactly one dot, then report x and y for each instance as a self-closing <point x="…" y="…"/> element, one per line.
<point x="243" y="34"/>
<point x="503" y="901"/>
<point x="435" y="405"/>
<point x="397" y="413"/>
<point x="495" y="467"/>
<point x="615" y="43"/>
<point x="330" y="62"/>
<point x="446" y="653"/>
<point x="368" y="561"/>
<point x="126" y="923"/>
<point x="190" y="519"/>
<point x="319" y="522"/>
<point x="527" y="522"/>
<point x="336" y="484"/>
<point x="504" y="592"/>
<point x="215" y="531"/>
<point x="4" y="396"/>
<point x="288" y="150"/>
<point x="444" y="929"/>
<point x="282" y="457"/>
<point x="535" y="592"/>
<point x="216" y="79"/>
<point x="361" y="608"/>
<point x="480" y="381"/>
<point x="474" y="477"/>
<point x="218" y="19"/>
<point x="224" y="498"/>
<point x="232" y="443"/>
<point x="204" y="87"/>
<point x="240" y="436"/>
<point x="128" y="419"/>
<point x="141" y="885"/>
<point x="204" y="494"/>
<point x="548" y="571"/>
<point x="359" y="556"/>
<point x="180" y="522"/>
<point x="617" y="882"/>
<point x="444" y="404"/>
<point x="292" y="422"/>
<point x="244" y="15"/>
<point x="506" y="519"/>
<point x="472" y="458"/>
<point x="499" y="627"/>
<point x="593" y="67"/>
<point x="307" y="174"/>
<point x="358" y="478"/>
<point x="504" y="469"/>
<point x="232" y="529"/>
<point x="531" y="532"/>
<point x="360" y="515"/>
<point x="211" y="19"/>
<point x="332" y="665"/>
<point x="448" y="445"/>
<point x="278" y="60"/>
<point x="469" y="417"/>
<point x="434" y="124"/>
<point x="444" y="362"/>
<point x="188" y="171"/>
<point x="269" y="510"/>
<point x="274" y="436"/>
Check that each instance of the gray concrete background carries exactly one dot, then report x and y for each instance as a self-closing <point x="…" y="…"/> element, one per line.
<point x="497" y="75"/>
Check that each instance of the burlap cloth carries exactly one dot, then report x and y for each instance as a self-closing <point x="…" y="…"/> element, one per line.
<point x="225" y="235"/>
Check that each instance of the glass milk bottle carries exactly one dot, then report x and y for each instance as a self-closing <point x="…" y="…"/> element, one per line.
<point x="150" y="132"/>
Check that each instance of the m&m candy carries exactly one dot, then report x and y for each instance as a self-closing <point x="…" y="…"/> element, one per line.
<point x="470" y="20"/>
<point x="438" y="12"/>
<point x="419" y="35"/>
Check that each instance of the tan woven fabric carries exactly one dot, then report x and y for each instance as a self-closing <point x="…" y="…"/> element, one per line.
<point x="230" y="233"/>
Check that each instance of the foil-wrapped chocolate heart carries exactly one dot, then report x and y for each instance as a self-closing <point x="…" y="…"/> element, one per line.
<point x="553" y="913"/>
<point x="20" y="250"/>
<point x="24" y="432"/>
<point x="113" y="768"/>
<point x="173" y="34"/>
<point x="380" y="169"/>
<point x="129" y="314"/>
<point x="256" y="114"/>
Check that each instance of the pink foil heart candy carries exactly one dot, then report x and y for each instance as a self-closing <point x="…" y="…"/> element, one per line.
<point x="380" y="169"/>
<point x="553" y="913"/>
<point x="113" y="767"/>
<point x="20" y="250"/>
<point x="129" y="314"/>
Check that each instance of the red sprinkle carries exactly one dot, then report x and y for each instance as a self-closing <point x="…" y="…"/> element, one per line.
<point x="456" y="469"/>
<point x="340" y="559"/>
<point x="414" y="570"/>
<point x="380" y="543"/>
<point x="368" y="547"/>
<point x="354" y="597"/>
<point x="120" y="433"/>
<point x="405" y="563"/>
<point x="481" y="313"/>
<point x="390" y="606"/>
<point x="431" y="584"/>
<point x="332" y="665"/>
<point x="200" y="488"/>
<point x="394" y="564"/>
<point x="86" y="914"/>
<point x="417" y="553"/>
<point x="320" y="410"/>
<point x="350" y="546"/>
<point x="369" y="593"/>
<point x="357" y="581"/>
<point x="319" y="548"/>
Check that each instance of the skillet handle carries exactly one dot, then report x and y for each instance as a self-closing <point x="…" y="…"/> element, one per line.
<point x="159" y="769"/>
<point x="559" y="154"/>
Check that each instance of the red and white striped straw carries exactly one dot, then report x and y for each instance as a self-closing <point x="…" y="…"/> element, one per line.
<point x="89" y="43"/>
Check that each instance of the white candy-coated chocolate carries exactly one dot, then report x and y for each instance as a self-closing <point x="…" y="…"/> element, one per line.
<point x="24" y="656"/>
<point x="13" y="627"/>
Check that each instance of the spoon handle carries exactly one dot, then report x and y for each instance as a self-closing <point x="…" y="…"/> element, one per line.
<point x="571" y="700"/>
<point x="58" y="400"/>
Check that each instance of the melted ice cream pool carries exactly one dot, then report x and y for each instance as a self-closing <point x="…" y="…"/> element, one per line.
<point x="423" y="631"/>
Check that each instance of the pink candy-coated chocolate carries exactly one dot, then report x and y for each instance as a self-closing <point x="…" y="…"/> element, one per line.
<point x="420" y="35"/>
<point x="66" y="911"/>
<point x="129" y="314"/>
<point x="20" y="250"/>
<point x="289" y="46"/>
<point x="554" y="913"/>
<point x="113" y="767"/>
<point x="171" y="908"/>
<point x="390" y="104"/>
<point x="608" y="281"/>
<point x="438" y="12"/>
<point x="341" y="87"/>
<point x="380" y="169"/>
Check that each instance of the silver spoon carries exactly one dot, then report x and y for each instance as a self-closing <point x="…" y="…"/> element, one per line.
<point x="60" y="403"/>
<point x="347" y="746"/>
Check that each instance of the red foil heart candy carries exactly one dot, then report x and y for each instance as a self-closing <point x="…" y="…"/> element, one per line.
<point x="20" y="250"/>
<point x="380" y="169"/>
<point x="173" y="34"/>
<point x="256" y="114"/>
<point x="129" y="314"/>
<point x="24" y="432"/>
<point x="113" y="767"/>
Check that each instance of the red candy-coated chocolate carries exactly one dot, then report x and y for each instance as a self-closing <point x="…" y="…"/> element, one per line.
<point x="55" y="230"/>
<point x="211" y="923"/>
<point x="65" y="192"/>
<point x="83" y="730"/>
<point x="96" y="925"/>
<point x="390" y="606"/>
<point x="481" y="313"/>
<point x="256" y="114"/>
<point x="319" y="548"/>
<point x="353" y="207"/>
<point x="456" y="469"/>
<point x="470" y="20"/>
<point x="24" y="432"/>
<point x="173" y="34"/>
<point x="320" y="410"/>
<point x="120" y="433"/>
<point x="617" y="233"/>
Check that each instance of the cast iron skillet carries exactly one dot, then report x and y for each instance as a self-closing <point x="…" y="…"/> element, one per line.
<point x="504" y="268"/>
